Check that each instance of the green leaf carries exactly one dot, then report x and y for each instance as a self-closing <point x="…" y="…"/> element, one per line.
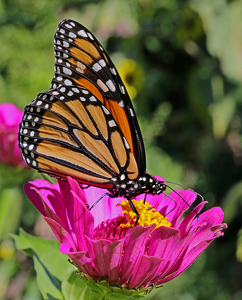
<point x="50" y="265"/>
<point x="10" y="205"/>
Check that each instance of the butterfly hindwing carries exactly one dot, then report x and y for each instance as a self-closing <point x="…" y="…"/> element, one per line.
<point x="67" y="130"/>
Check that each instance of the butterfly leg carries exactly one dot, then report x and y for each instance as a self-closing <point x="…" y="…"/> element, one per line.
<point x="135" y="211"/>
<point x="95" y="203"/>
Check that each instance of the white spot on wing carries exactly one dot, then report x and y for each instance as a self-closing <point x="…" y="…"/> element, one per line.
<point x="102" y="62"/>
<point x="90" y="36"/>
<point x="96" y="67"/>
<point x="122" y="90"/>
<point x="111" y="123"/>
<point x="102" y="85"/>
<point x="68" y="26"/>
<point x="113" y="71"/>
<point x="75" y="90"/>
<point x="66" y="44"/>
<point x="105" y="110"/>
<point x="93" y="99"/>
<point x="121" y="103"/>
<point x="126" y="143"/>
<point x="67" y="71"/>
<point x="82" y="33"/>
<point x="72" y="35"/>
<point x="110" y="84"/>
<point x="67" y="82"/>
<point x="80" y="67"/>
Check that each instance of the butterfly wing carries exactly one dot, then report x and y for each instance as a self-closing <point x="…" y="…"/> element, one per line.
<point x="85" y="125"/>
<point x="81" y="61"/>
<point x="68" y="131"/>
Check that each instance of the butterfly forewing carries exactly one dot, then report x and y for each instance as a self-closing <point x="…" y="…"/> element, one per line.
<point x="68" y="131"/>
<point x="81" y="61"/>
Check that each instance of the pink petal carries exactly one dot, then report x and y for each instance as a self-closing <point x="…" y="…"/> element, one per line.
<point x="62" y="235"/>
<point x="211" y="217"/>
<point x="82" y="260"/>
<point x="97" y="250"/>
<point x="75" y="188"/>
<point x="48" y="193"/>
<point x="144" y="271"/>
<point x="162" y="242"/>
<point x="135" y="242"/>
<point x="83" y="223"/>
<point x="113" y="260"/>
<point x="177" y="255"/>
<point x="187" y="261"/>
<point x="10" y="114"/>
<point x="185" y="224"/>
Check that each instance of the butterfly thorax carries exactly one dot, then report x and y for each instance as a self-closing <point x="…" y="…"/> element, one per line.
<point x="131" y="188"/>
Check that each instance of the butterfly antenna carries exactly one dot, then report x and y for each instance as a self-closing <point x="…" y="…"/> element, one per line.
<point x="173" y="201"/>
<point x="202" y="199"/>
<point x="95" y="203"/>
<point x="197" y="215"/>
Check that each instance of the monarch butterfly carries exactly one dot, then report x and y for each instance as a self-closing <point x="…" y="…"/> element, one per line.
<point x="85" y="126"/>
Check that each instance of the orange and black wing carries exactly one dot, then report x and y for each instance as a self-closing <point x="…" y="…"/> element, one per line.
<point x="85" y="125"/>
<point x="81" y="61"/>
<point x="68" y="131"/>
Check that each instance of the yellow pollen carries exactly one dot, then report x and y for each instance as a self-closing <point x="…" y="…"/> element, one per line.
<point x="148" y="214"/>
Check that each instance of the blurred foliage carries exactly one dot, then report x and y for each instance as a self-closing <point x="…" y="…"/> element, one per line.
<point x="188" y="102"/>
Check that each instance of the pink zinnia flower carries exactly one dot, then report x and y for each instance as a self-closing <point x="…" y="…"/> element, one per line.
<point x="104" y="244"/>
<point x="10" y="117"/>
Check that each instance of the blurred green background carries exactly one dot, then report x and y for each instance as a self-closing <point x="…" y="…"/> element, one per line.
<point x="182" y="64"/>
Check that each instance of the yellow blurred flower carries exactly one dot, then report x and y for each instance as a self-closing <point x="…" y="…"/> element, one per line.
<point x="132" y="75"/>
<point x="6" y="251"/>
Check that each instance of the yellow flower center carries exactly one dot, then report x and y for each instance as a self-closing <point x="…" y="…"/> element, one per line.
<point x="148" y="214"/>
